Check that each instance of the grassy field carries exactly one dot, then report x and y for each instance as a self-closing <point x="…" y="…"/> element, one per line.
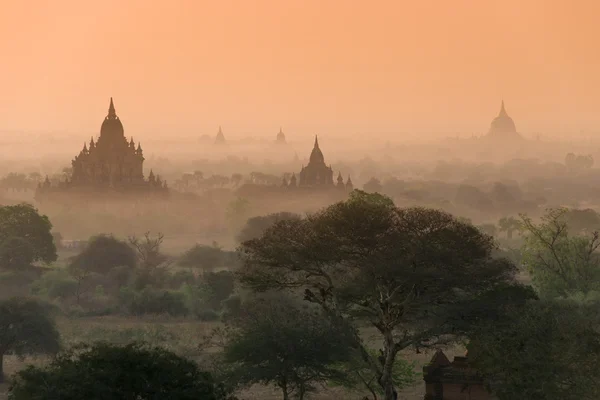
<point x="183" y="337"/>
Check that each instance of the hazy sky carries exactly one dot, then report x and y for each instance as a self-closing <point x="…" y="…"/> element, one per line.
<point x="313" y="66"/>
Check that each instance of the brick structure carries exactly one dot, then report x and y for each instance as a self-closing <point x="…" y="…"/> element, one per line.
<point x="456" y="380"/>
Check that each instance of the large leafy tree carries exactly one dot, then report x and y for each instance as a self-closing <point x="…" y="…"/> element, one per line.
<point x="25" y="236"/>
<point x="542" y="350"/>
<point x="26" y="328"/>
<point x="104" y="371"/>
<point x="364" y="259"/>
<point x="561" y="264"/>
<point x="276" y="341"/>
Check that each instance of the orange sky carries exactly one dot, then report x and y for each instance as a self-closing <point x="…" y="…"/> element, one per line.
<point x="183" y="67"/>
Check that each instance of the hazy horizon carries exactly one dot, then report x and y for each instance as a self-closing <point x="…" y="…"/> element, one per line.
<point x="338" y="69"/>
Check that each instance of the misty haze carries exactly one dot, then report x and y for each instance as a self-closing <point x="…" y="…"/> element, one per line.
<point x="299" y="200"/>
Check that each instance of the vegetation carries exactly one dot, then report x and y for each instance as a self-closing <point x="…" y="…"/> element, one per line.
<point x="353" y="293"/>
<point x="276" y="341"/>
<point x="561" y="264"/>
<point x="133" y="371"/>
<point x="25" y="237"/>
<point x="540" y="351"/>
<point x="26" y="328"/>
<point x="365" y="259"/>
<point x="256" y="226"/>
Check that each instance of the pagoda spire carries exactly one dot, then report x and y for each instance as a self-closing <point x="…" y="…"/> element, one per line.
<point x="111" y="109"/>
<point x="502" y="109"/>
<point x="316" y="141"/>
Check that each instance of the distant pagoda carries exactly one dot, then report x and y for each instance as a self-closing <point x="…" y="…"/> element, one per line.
<point x="220" y="138"/>
<point x="110" y="164"/>
<point x="503" y="127"/>
<point x="317" y="174"/>
<point x="280" y="137"/>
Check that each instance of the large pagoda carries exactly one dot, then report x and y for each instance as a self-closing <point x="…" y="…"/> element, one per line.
<point x="110" y="163"/>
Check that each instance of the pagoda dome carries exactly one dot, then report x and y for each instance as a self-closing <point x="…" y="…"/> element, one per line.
<point x="280" y="136"/>
<point x="503" y="123"/>
<point x="112" y="126"/>
<point x="316" y="156"/>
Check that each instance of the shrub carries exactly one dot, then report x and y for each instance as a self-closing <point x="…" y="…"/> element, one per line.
<point x="103" y="253"/>
<point x="196" y="298"/>
<point x="221" y="285"/>
<point x="55" y="284"/>
<point x="180" y="278"/>
<point x="204" y="257"/>
<point x="153" y="301"/>
<point x="133" y="371"/>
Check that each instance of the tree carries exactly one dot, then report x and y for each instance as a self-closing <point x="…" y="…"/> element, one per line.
<point x="236" y="179"/>
<point x="358" y="375"/>
<point x="148" y="250"/>
<point x="542" y="350"/>
<point x="276" y="341"/>
<point x="473" y="197"/>
<point x="373" y="186"/>
<point x="580" y="221"/>
<point x="488" y="229"/>
<point x="221" y="285"/>
<point x="103" y="253"/>
<point x="579" y="162"/>
<point x="237" y="211"/>
<point x="133" y="371"/>
<point x="366" y="259"/>
<point x="15" y="253"/>
<point x="509" y="225"/>
<point x="26" y="328"/>
<point x="256" y="226"/>
<point x="561" y="264"/>
<point x="25" y="236"/>
<point x="204" y="257"/>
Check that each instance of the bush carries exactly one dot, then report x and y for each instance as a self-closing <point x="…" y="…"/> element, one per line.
<point x="133" y="371"/>
<point x="232" y="307"/>
<point x="205" y="257"/>
<point x="150" y="277"/>
<point x="221" y="285"/>
<point x="196" y="299"/>
<point x="17" y="281"/>
<point x="208" y="315"/>
<point x="55" y="284"/>
<point x="120" y="276"/>
<point x="181" y="277"/>
<point x="103" y="253"/>
<point x="153" y="301"/>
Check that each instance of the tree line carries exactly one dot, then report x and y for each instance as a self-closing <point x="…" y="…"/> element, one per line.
<point x="310" y="286"/>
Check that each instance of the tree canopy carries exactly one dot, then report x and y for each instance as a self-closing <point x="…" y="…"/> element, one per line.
<point x="544" y="350"/>
<point x="25" y="236"/>
<point x="103" y="253"/>
<point x="256" y="226"/>
<point x="26" y="328"/>
<point x="365" y="259"/>
<point x="104" y="371"/>
<point x="560" y="263"/>
<point x="277" y="341"/>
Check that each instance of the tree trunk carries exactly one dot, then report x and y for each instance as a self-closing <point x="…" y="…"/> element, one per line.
<point x="284" y="389"/>
<point x="1" y="367"/>
<point x="386" y="381"/>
